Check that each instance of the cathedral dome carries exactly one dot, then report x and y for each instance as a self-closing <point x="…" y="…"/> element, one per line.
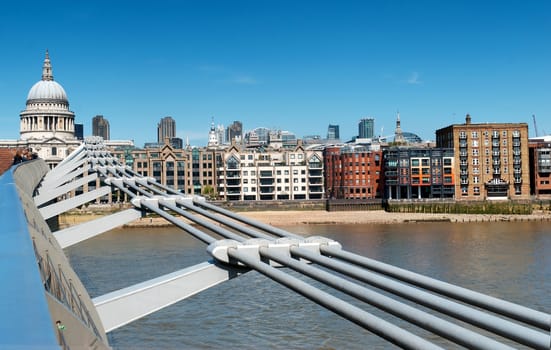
<point x="47" y="90"/>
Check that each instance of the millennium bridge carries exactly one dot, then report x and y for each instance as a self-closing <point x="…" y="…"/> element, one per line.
<point x="46" y="306"/>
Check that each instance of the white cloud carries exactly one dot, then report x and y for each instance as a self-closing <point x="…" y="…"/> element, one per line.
<point x="244" y="80"/>
<point x="225" y="75"/>
<point x="414" y="79"/>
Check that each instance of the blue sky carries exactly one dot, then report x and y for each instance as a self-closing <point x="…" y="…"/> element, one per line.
<point x="291" y="65"/>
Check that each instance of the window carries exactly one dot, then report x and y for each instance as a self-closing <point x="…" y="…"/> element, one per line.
<point x="474" y="134"/>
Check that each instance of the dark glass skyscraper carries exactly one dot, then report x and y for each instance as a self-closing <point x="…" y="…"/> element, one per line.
<point x="333" y="132"/>
<point x="79" y="131"/>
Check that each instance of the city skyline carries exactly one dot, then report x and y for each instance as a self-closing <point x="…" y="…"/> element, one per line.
<point x="291" y="66"/>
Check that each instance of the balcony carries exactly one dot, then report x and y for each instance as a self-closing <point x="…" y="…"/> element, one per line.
<point x="464" y="172"/>
<point x="315" y="173"/>
<point x="267" y="190"/>
<point x="233" y="183"/>
<point x="544" y="169"/>
<point x="518" y="180"/>
<point x="464" y="181"/>
<point x="232" y="175"/>
<point x="316" y="189"/>
<point x="266" y="174"/>
<point x="266" y="182"/>
<point x="496" y="172"/>
<point x="233" y="191"/>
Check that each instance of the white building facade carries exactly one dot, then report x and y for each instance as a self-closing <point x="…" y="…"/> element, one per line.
<point x="47" y="126"/>
<point x="267" y="174"/>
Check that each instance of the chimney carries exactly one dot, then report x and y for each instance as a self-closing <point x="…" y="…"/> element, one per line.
<point x="468" y="119"/>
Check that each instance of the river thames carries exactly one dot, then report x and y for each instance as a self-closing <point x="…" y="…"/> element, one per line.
<point x="509" y="260"/>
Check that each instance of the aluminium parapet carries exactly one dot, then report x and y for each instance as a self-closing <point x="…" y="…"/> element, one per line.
<point x="39" y="286"/>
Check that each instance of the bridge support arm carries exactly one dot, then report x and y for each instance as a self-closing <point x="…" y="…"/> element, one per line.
<point x="58" y="191"/>
<point x="78" y="233"/>
<point x="65" y="205"/>
<point x="121" y="307"/>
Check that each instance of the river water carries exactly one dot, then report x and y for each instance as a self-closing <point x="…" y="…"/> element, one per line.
<point x="509" y="260"/>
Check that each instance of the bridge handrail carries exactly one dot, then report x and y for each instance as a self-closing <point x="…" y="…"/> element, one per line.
<point x="25" y="318"/>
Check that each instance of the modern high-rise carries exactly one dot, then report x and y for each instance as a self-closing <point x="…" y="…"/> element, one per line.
<point x="166" y="128"/>
<point x="234" y="132"/>
<point x="418" y="172"/>
<point x="100" y="127"/>
<point x="491" y="159"/>
<point x="79" y="131"/>
<point x="333" y="132"/>
<point x="366" y="128"/>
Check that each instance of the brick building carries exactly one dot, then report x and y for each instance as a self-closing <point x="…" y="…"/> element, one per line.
<point x="491" y="159"/>
<point x="540" y="167"/>
<point x="352" y="172"/>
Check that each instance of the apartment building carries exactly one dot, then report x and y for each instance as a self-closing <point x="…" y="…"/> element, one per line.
<point x="352" y="172"/>
<point x="540" y="167"/>
<point x="267" y="174"/>
<point x="169" y="166"/>
<point x="491" y="159"/>
<point x="419" y="172"/>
